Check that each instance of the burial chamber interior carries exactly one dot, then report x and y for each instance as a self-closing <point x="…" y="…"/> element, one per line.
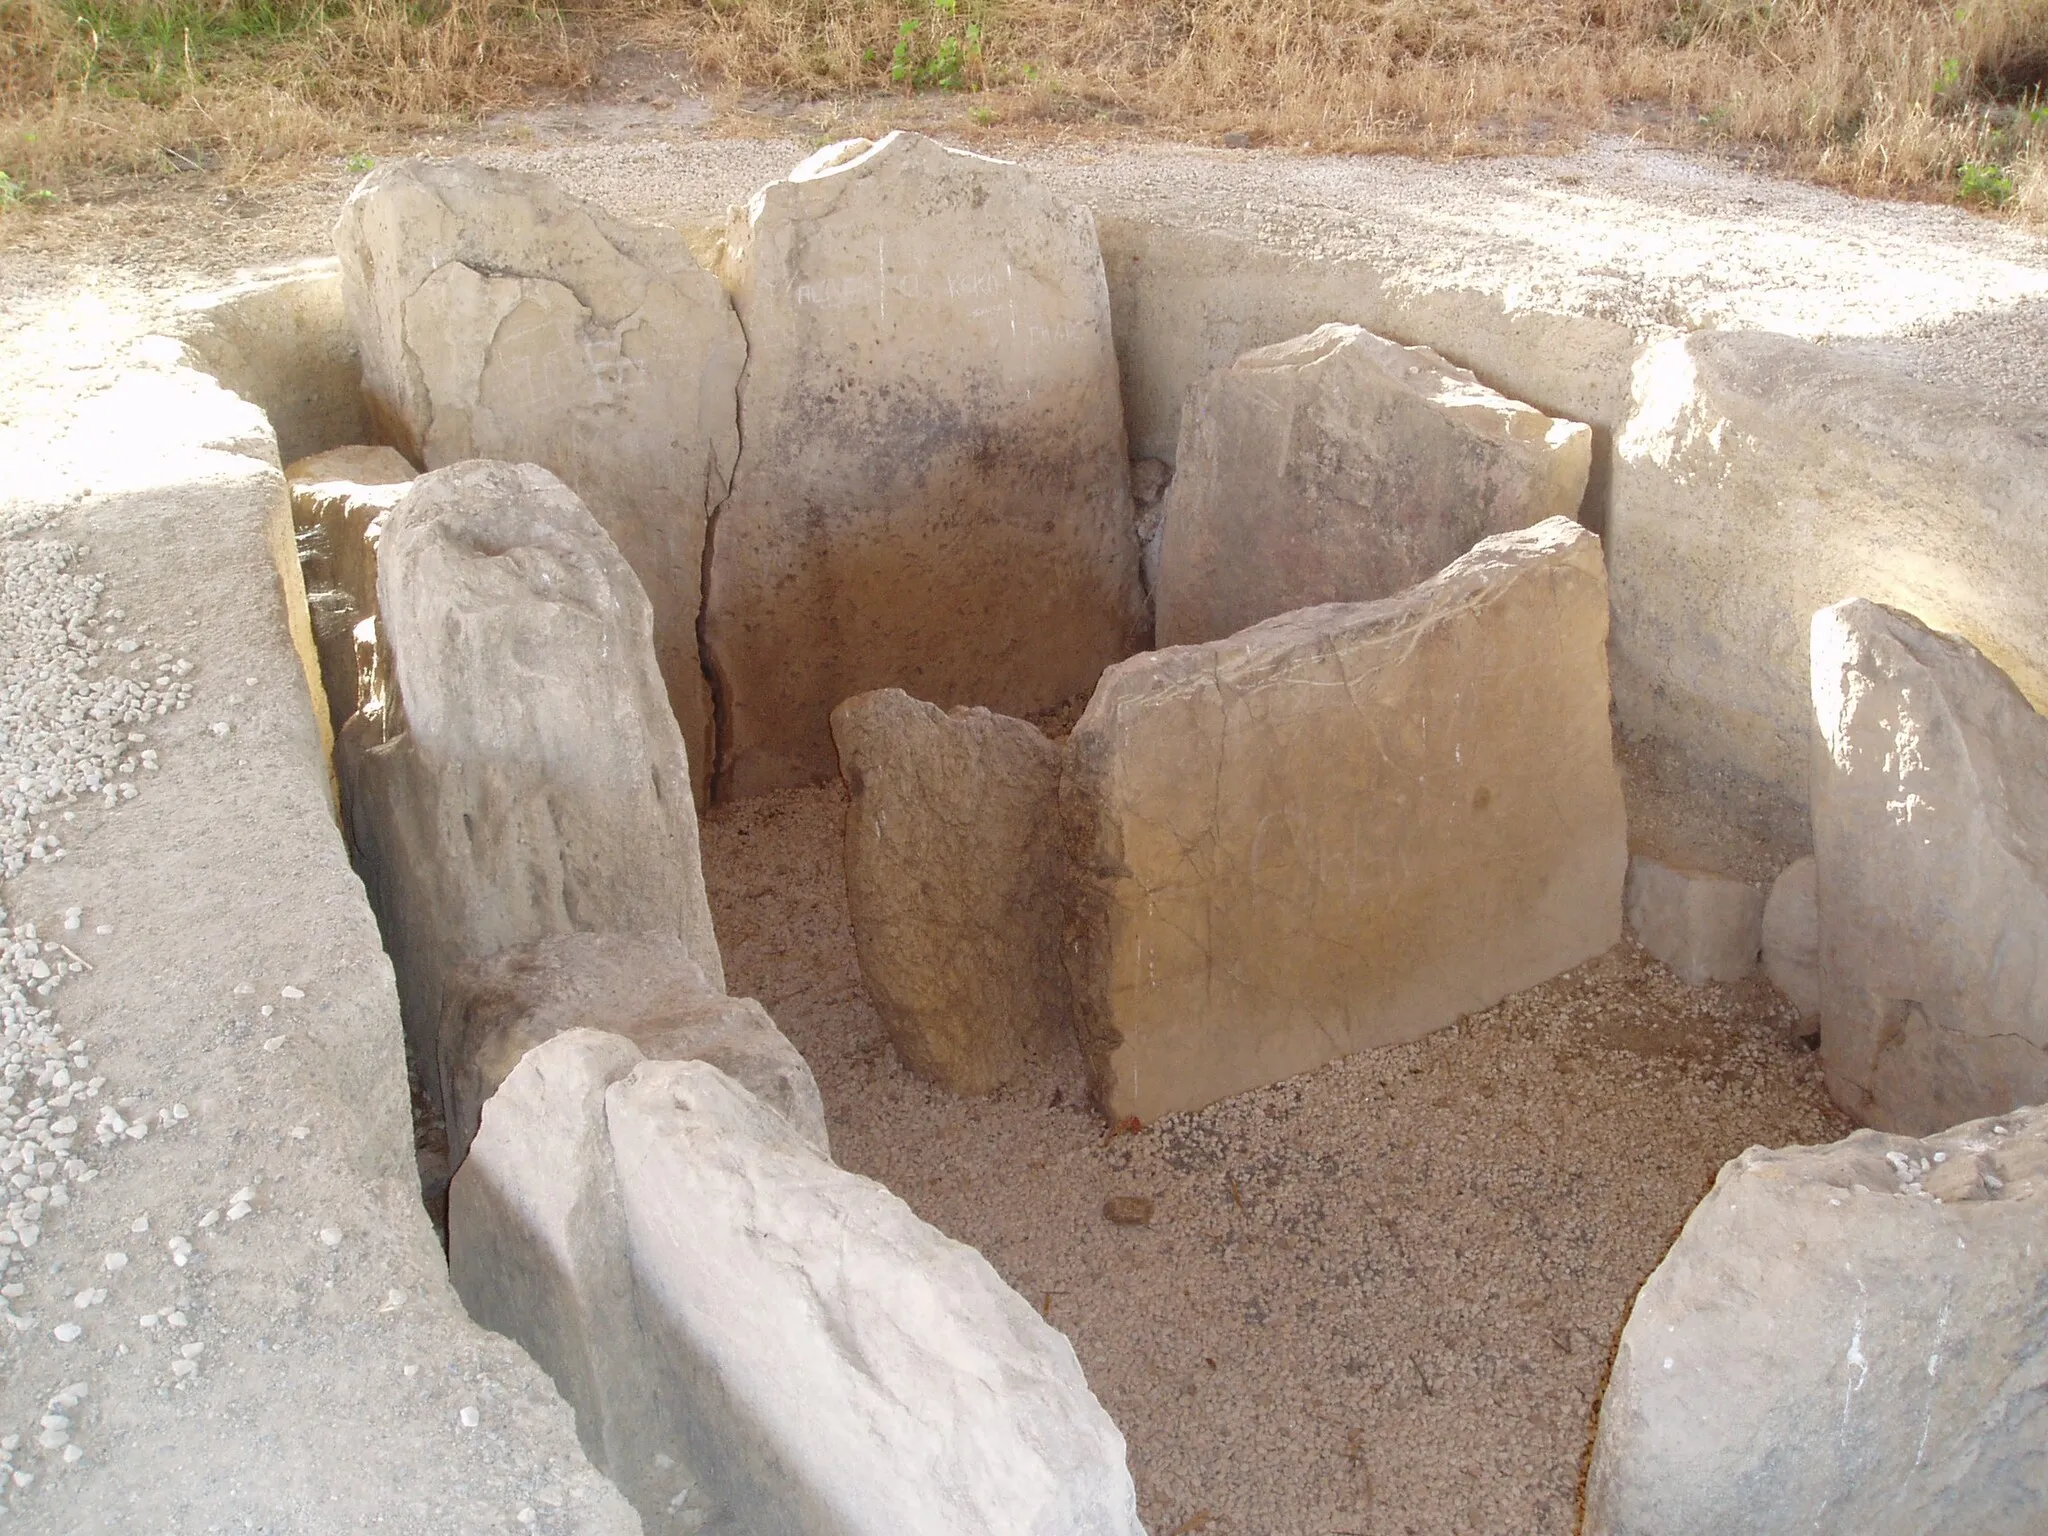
<point x="1380" y="1294"/>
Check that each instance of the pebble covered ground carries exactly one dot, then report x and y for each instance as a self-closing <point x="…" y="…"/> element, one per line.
<point x="1376" y="1300"/>
<point x="76" y="691"/>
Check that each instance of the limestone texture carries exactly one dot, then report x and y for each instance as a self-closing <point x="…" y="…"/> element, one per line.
<point x="339" y="499"/>
<point x="1344" y="827"/>
<point x="1844" y="1338"/>
<point x="525" y="777"/>
<point x="1791" y="936"/>
<point x="1759" y="479"/>
<point x="1341" y="467"/>
<point x="934" y="493"/>
<point x="955" y="881"/>
<point x="1702" y="926"/>
<point x="789" y="1335"/>
<point x="1930" y="839"/>
<point x="643" y="987"/>
<point x="501" y="318"/>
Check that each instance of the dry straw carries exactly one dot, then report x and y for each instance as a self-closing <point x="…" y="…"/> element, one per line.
<point x="1897" y="96"/>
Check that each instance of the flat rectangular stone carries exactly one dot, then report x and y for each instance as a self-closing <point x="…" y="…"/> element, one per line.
<point x="1344" y="827"/>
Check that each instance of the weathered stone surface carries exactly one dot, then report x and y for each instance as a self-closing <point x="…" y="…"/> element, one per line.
<point x="527" y="779"/>
<point x="954" y="880"/>
<point x="643" y="987"/>
<point x="703" y="1284"/>
<point x="1703" y="927"/>
<point x="501" y="318"/>
<point x="1791" y="937"/>
<point x="934" y="493"/>
<point x="1760" y="479"/>
<point x="339" y="499"/>
<point x="849" y="1368"/>
<point x="1844" y="1338"/>
<point x="1341" y="467"/>
<point x="1343" y="827"/>
<point x="1930" y="822"/>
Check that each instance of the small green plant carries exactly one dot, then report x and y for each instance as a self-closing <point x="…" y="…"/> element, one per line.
<point x="361" y="163"/>
<point x="938" y="51"/>
<point x="1984" y="182"/>
<point x="13" y="194"/>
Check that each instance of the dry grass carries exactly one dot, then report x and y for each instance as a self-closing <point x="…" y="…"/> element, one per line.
<point x="1904" y="97"/>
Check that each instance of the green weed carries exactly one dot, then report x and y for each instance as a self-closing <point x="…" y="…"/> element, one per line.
<point x="1982" y="181"/>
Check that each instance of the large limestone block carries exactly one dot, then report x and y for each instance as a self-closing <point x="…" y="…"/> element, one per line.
<point x="1344" y="827"/>
<point x="847" y="1369"/>
<point x="1930" y="839"/>
<point x="1760" y="479"/>
<point x="537" y="1251"/>
<point x="1791" y="936"/>
<point x="501" y="318"/>
<point x="527" y="778"/>
<point x="1340" y="467"/>
<point x="339" y="499"/>
<point x="793" y="1343"/>
<point x="1704" y="927"/>
<point x="934" y="492"/>
<point x="955" y="882"/>
<point x="1845" y="1339"/>
<point x="643" y="987"/>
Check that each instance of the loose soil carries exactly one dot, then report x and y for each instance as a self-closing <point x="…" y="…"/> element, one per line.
<point x="1379" y="1298"/>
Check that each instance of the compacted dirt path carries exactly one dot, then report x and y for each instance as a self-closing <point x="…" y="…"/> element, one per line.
<point x="1379" y="1298"/>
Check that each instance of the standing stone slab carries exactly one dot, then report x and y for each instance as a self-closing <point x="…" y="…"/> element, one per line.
<point x="500" y="318"/>
<point x="934" y="492"/>
<point x="339" y="499"/>
<point x="846" y="1369"/>
<point x="1344" y="827"/>
<point x="955" y="881"/>
<point x="1930" y="839"/>
<point x="527" y="779"/>
<point x="1704" y="927"/>
<point x="1340" y="467"/>
<point x="1791" y="936"/>
<point x="1848" y="1338"/>
<point x="643" y="987"/>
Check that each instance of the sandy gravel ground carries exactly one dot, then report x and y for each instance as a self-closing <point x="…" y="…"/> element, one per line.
<point x="1379" y="1298"/>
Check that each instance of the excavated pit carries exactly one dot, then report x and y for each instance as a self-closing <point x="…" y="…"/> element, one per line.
<point x="1381" y="1296"/>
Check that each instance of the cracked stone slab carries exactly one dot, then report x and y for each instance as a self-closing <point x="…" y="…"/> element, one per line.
<point x="934" y="490"/>
<point x="1344" y="827"/>
<point x="500" y="318"/>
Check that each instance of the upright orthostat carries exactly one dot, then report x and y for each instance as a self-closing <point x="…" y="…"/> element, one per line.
<point x="1340" y="467"/>
<point x="501" y="318"/>
<point x="1930" y="841"/>
<point x="528" y="779"/>
<point x="1845" y="1339"/>
<point x="1343" y="827"/>
<point x="933" y="492"/>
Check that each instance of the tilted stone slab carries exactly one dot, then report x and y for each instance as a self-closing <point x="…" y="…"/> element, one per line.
<point x="641" y="986"/>
<point x="528" y="779"/>
<point x="339" y="499"/>
<point x="1341" y="467"/>
<point x="1759" y="479"/>
<point x="1704" y="927"/>
<point x="955" y="883"/>
<point x="1849" y="1338"/>
<point x="501" y="318"/>
<point x="1930" y="839"/>
<point x="934" y="493"/>
<point x="705" y="1286"/>
<point x="1344" y="827"/>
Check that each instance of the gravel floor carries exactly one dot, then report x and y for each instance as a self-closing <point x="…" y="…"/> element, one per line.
<point x="1379" y="1298"/>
